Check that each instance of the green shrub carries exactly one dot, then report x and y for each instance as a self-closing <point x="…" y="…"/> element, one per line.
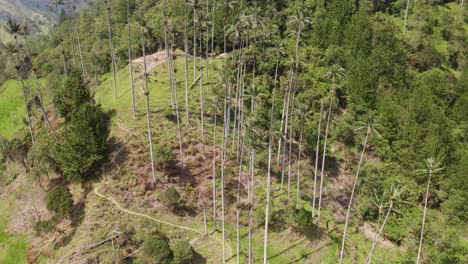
<point x="170" y="198"/>
<point x="303" y="222"/>
<point x="59" y="200"/>
<point x="163" y="156"/>
<point x="183" y="252"/>
<point x="46" y="226"/>
<point x="156" y="247"/>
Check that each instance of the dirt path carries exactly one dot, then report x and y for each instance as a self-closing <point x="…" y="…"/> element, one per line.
<point x="96" y="191"/>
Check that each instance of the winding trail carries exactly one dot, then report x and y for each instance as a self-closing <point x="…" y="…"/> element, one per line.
<point x="96" y="191"/>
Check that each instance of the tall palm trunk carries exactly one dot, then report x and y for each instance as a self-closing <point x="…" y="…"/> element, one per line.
<point x="290" y="145"/>
<point x="223" y="161"/>
<point x="298" y="194"/>
<point x="169" y="57"/>
<point x="424" y="217"/>
<point x="214" y="171"/>
<point x="406" y="14"/>
<point x="377" y="235"/>
<point x="202" y="115"/>
<point x="267" y="207"/>
<point x="238" y="210"/>
<point x="317" y="149"/>
<point x="323" y="158"/>
<point x="186" y="64"/>
<point x="285" y="135"/>
<point x="148" y="119"/>
<point x="352" y="192"/>
<point x="130" y="67"/>
<point x="6" y="159"/>
<point x="251" y="202"/>
<point x="83" y="71"/>
<point x="46" y="119"/>
<point x="28" y="117"/>
<point x="194" y="41"/>
<point x="111" y="47"/>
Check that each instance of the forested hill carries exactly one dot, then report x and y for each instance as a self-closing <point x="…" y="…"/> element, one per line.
<point x="220" y="131"/>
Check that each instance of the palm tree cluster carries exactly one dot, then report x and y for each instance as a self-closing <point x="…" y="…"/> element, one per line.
<point x="261" y="107"/>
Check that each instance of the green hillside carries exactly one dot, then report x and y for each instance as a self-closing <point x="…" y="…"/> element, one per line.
<point x="290" y="132"/>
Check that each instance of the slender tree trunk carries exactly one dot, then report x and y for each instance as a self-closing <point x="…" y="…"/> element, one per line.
<point x="214" y="172"/>
<point x="352" y="193"/>
<point x="72" y="48"/>
<point x="28" y="117"/>
<point x="290" y="145"/>
<point x="204" y="220"/>
<point x="238" y="209"/>
<point x="251" y="202"/>
<point x="130" y="66"/>
<point x="201" y="107"/>
<point x="281" y="129"/>
<point x="186" y="64"/>
<point x="317" y="148"/>
<point x="111" y="47"/>
<point x="83" y="71"/>
<point x="169" y="58"/>
<point x="323" y="159"/>
<point x="223" y="160"/>
<point x="285" y="132"/>
<point x="376" y="238"/>
<point x="207" y="40"/>
<point x="148" y="119"/>
<point x="212" y="28"/>
<point x="298" y="194"/>
<point x="267" y="208"/>
<point x="46" y="119"/>
<point x="194" y="43"/>
<point x="406" y="14"/>
<point x="424" y="217"/>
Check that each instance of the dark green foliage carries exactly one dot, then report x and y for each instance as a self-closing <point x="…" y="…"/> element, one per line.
<point x="59" y="200"/>
<point x="84" y="142"/>
<point x="303" y="222"/>
<point x="157" y="250"/>
<point x="71" y="95"/>
<point x="183" y="252"/>
<point x="46" y="226"/>
<point x="170" y="198"/>
<point x="164" y="156"/>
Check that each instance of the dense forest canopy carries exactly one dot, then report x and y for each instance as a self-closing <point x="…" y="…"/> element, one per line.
<point x="361" y="103"/>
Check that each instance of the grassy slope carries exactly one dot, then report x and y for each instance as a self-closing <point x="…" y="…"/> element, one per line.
<point x="12" y="247"/>
<point x="12" y="110"/>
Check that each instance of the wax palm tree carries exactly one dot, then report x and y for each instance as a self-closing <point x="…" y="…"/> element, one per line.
<point x="145" y="75"/>
<point x="54" y="4"/>
<point x="302" y="113"/>
<point x="298" y="22"/>
<point x="390" y="199"/>
<point x="196" y="8"/>
<point x="317" y="150"/>
<point x="111" y="47"/>
<point x="335" y="73"/>
<point x="14" y="29"/>
<point x="186" y="63"/>
<point x="406" y="14"/>
<point x="271" y="136"/>
<point x="130" y="67"/>
<point x="432" y="167"/>
<point x="215" y="102"/>
<point x="370" y="126"/>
